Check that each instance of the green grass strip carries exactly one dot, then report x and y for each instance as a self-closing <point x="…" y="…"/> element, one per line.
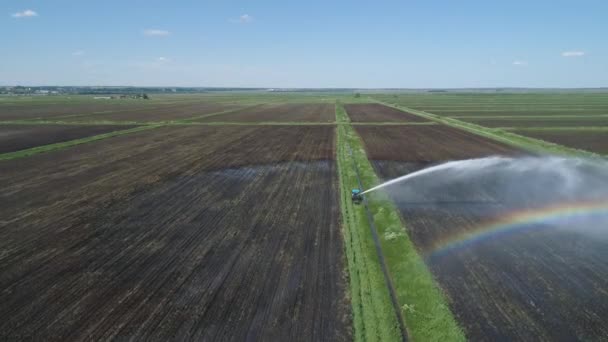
<point x="58" y="146"/>
<point x="373" y="315"/>
<point x="424" y="307"/>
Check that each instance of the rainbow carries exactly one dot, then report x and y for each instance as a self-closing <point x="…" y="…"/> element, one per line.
<point x="520" y="221"/>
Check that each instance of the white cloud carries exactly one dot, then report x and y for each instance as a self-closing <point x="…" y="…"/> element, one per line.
<point x="242" y="19"/>
<point x="163" y="59"/>
<point x="520" y="63"/>
<point x="25" y="14"/>
<point x="573" y="53"/>
<point x="78" y="53"/>
<point x="155" y="33"/>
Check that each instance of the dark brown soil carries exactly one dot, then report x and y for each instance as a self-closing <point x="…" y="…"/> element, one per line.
<point x="164" y="113"/>
<point x="593" y="141"/>
<point x="374" y="112"/>
<point x="21" y="137"/>
<point x="46" y="111"/>
<point x="425" y="144"/>
<point x="197" y="233"/>
<point x="279" y="113"/>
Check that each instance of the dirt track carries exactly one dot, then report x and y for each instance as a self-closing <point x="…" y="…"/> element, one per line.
<point x="212" y="233"/>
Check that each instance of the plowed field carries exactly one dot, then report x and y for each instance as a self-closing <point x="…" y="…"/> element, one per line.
<point x="46" y="111"/>
<point x="374" y="112"/>
<point x="279" y="113"/>
<point x="20" y="137"/>
<point x="203" y="233"/>
<point x="163" y="113"/>
<point x="426" y="144"/>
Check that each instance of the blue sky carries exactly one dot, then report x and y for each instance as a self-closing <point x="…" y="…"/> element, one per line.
<point x="366" y="44"/>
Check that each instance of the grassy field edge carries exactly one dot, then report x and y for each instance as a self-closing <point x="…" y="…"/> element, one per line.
<point x="373" y="314"/>
<point x="423" y="305"/>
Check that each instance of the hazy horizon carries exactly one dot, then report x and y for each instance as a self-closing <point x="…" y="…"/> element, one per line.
<point x="355" y="45"/>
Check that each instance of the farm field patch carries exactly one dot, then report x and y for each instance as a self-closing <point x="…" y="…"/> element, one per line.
<point x="519" y="286"/>
<point x="286" y="112"/>
<point x="20" y="137"/>
<point x="47" y="111"/>
<point x="426" y="144"/>
<point x="593" y="141"/>
<point x="535" y="122"/>
<point x="165" y="113"/>
<point x="176" y="233"/>
<point x="374" y="112"/>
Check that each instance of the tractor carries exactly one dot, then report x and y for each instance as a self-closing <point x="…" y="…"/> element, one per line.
<point x="356" y="196"/>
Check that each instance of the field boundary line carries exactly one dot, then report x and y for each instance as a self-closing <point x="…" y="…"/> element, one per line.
<point x="387" y="276"/>
<point x="520" y="141"/>
<point x="370" y="301"/>
<point x="65" y="144"/>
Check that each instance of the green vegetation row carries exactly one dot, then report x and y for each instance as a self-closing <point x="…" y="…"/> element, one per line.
<point x="58" y="146"/>
<point x="423" y="305"/>
<point x="373" y="315"/>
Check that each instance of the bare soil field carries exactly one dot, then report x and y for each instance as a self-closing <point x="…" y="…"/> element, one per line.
<point x="46" y="111"/>
<point x="548" y="122"/>
<point x="593" y="141"/>
<point x="426" y="144"/>
<point x="205" y="233"/>
<point x="374" y="112"/>
<point x="279" y="113"/>
<point x="538" y="284"/>
<point x="20" y="137"/>
<point x="164" y="113"/>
